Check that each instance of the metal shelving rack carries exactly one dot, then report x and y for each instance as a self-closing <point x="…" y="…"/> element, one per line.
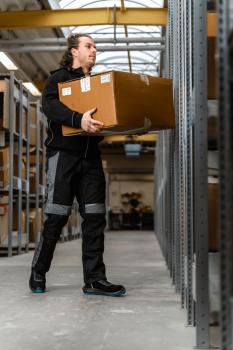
<point x="37" y="199"/>
<point x="20" y="196"/>
<point x="225" y="72"/>
<point x="181" y="174"/>
<point x="18" y="188"/>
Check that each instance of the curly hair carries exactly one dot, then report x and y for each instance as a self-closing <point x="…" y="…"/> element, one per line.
<point x="72" y="42"/>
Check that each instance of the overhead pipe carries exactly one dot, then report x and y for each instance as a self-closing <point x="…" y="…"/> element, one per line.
<point x="62" y="41"/>
<point x="32" y="49"/>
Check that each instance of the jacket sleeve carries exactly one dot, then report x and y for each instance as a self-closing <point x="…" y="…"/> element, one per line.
<point x="54" y="109"/>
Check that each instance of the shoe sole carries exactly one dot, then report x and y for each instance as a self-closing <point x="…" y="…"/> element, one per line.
<point x="93" y="291"/>
<point x="37" y="290"/>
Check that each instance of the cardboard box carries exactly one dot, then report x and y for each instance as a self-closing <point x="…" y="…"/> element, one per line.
<point x="33" y="159"/>
<point x="33" y="230"/>
<point x="4" y="201"/>
<point x="212" y="129"/>
<point x="23" y="121"/>
<point x="24" y="124"/>
<point x="126" y="102"/>
<point x="4" y="106"/>
<point x="213" y="189"/>
<point x="32" y="179"/>
<point x="212" y="69"/>
<point x="4" y="167"/>
<point x="73" y="218"/>
<point x="33" y="124"/>
<point x="15" y="220"/>
<point x="23" y="168"/>
<point x="3" y="223"/>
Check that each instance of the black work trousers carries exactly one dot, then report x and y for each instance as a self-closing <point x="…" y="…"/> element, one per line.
<point x="72" y="176"/>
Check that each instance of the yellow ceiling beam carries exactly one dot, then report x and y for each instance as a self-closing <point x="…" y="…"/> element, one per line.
<point x="84" y="16"/>
<point x="91" y="16"/>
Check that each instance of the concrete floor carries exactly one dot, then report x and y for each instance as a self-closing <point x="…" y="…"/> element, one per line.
<point x="149" y="317"/>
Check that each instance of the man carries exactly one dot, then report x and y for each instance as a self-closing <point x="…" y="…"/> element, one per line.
<point x="74" y="169"/>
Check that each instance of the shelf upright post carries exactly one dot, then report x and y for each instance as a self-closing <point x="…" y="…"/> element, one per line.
<point x="177" y="228"/>
<point x="19" y="165"/>
<point x="37" y="179"/>
<point x="225" y="93"/>
<point x="11" y="161"/>
<point x="188" y="81"/>
<point x="27" y="164"/>
<point x="201" y="175"/>
<point x="170" y="72"/>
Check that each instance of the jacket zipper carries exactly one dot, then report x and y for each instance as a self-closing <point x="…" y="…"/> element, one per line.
<point x="87" y="147"/>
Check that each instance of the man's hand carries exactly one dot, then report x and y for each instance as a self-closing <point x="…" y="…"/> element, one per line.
<point x="90" y="125"/>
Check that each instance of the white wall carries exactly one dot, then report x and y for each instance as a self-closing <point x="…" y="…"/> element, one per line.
<point x="122" y="183"/>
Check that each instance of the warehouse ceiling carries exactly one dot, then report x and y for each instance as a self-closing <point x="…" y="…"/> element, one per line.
<point x="35" y="66"/>
<point x="143" y="61"/>
<point x="138" y="53"/>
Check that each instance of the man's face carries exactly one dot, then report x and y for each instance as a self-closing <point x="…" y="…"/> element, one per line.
<point x="85" y="54"/>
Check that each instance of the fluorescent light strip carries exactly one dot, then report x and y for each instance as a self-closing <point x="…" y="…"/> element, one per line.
<point x="31" y="87"/>
<point x="7" y="62"/>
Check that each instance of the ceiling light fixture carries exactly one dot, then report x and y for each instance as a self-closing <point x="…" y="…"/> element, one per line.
<point x="31" y="87"/>
<point x="7" y="62"/>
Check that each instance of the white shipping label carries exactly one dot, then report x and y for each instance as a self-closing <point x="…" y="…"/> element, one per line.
<point x="105" y="78"/>
<point x="85" y="84"/>
<point x="66" y="91"/>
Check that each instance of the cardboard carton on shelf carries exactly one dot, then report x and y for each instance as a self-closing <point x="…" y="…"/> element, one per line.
<point x="24" y="124"/>
<point x="126" y="102"/>
<point x="33" y="124"/>
<point x="32" y="179"/>
<point x="22" y="165"/>
<point x="33" y="160"/>
<point x="4" y="201"/>
<point x="212" y="68"/>
<point x="15" y="220"/>
<point x="33" y="230"/>
<point x="4" y="167"/>
<point x="213" y="190"/>
<point x="4" y="106"/>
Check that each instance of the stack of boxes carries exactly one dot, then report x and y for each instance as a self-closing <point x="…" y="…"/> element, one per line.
<point x="35" y="222"/>
<point x="4" y="158"/>
<point x="5" y="117"/>
<point x="4" y="200"/>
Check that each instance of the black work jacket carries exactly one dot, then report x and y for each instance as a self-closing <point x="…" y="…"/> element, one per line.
<point x="58" y="114"/>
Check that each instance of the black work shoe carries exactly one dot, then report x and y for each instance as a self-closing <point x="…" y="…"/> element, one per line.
<point x="37" y="282"/>
<point x="103" y="287"/>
